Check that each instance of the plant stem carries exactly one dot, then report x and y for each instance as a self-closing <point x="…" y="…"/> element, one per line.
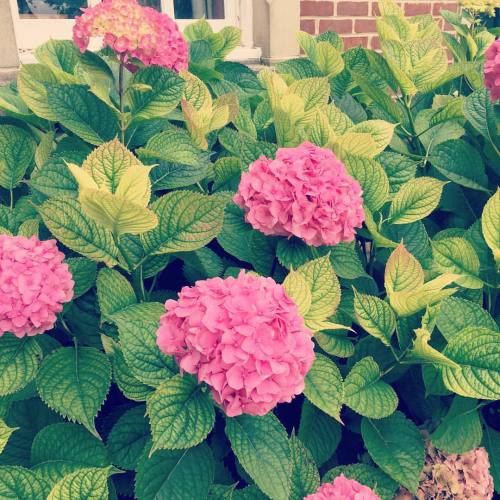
<point x="121" y="97"/>
<point x="11" y="198"/>
<point x="138" y="284"/>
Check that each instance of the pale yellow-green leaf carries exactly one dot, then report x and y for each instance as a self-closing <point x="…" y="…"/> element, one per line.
<point x="457" y="255"/>
<point x="44" y="148"/>
<point x="107" y="163"/>
<point x="490" y="224"/>
<point x="135" y="185"/>
<point x="412" y="301"/>
<point x="225" y="109"/>
<point x="307" y="43"/>
<point x="338" y="120"/>
<point x="115" y="213"/>
<point x="314" y="92"/>
<point x="403" y="272"/>
<point x="319" y="131"/>
<point x="415" y="200"/>
<point x="322" y="325"/>
<point x="380" y="130"/>
<point x="430" y="69"/>
<point x="377" y="236"/>
<point x="422" y="352"/>
<point x="5" y="433"/>
<point x="328" y="59"/>
<point x="356" y="144"/>
<point x="324" y="286"/>
<point x="84" y="179"/>
<point x="196" y="92"/>
<point x="298" y="290"/>
<point x="286" y="118"/>
<point x="275" y="85"/>
<point x="390" y="8"/>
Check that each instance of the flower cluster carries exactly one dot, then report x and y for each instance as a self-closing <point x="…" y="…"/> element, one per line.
<point x="305" y="192"/>
<point x="343" y="489"/>
<point x="479" y="6"/>
<point x="34" y="283"/>
<point x="133" y="31"/>
<point x="242" y="336"/>
<point x="492" y="70"/>
<point x="446" y="476"/>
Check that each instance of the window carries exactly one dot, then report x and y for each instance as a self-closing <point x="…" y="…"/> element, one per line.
<point x="36" y="21"/>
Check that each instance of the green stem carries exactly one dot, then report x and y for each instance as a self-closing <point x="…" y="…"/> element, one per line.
<point x="138" y="284"/>
<point x="11" y="191"/>
<point x="407" y="105"/>
<point x="121" y="97"/>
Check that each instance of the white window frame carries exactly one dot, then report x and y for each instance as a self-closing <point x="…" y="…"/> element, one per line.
<point x="30" y="33"/>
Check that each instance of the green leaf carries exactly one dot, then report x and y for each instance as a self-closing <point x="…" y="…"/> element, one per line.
<point x="345" y="261"/>
<point x="17" y="149"/>
<point x="18" y="483"/>
<point x="399" y="169"/>
<point x="298" y="290"/>
<point x="262" y="448"/>
<point x="324" y="286"/>
<point x="175" y="475"/>
<point x="461" y="163"/>
<point x="480" y="112"/>
<point x="163" y="96"/>
<point x="367" y="475"/>
<point x="366" y="393"/>
<point x="422" y="352"/>
<point x="181" y="413"/>
<point x="91" y="483"/>
<point x="324" y="386"/>
<point x="65" y="444"/>
<point x="319" y="433"/>
<point x="457" y="255"/>
<point x="477" y="351"/>
<point x="114" y="292"/>
<point x="452" y="110"/>
<point x="83" y="272"/>
<point x="31" y="84"/>
<point x="61" y="56"/>
<point x="490" y="225"/>
<point x="328" y="59"/>
<point x="65" y="220"/>
<point x="137" y="325"/>
<point x="372" y="178"/>
<point x="380" y="131"/>
<point x="305" y="476"/>
<point x="375" y="316"/>
<point x="245" y="147"/>
<point x="187" y="221"/>
<point x="128" y="437"/>
<point x="460" y="430"/>
<point x="5" y="433"/>
<point x="397" y="447"/>
<point x="456" y="314"/>
<point x="415" y="200"/>
<point x="19" y="361"/>
<point x="169" y="175"/>
<point x="403" y="271"/>
<point x="492" y="444"/>
<point x="74" y="382"/>
<point x="54" y="179"/>
<point x="83" y="113"/>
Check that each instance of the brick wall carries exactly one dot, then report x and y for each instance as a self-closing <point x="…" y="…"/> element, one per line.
<point x="355" y="19"/>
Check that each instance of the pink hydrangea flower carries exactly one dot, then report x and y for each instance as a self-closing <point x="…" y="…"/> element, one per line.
<point x="492" y="70"/>
<point x="242" y="336"/>
<point x="343" y="489"/>
<point x="133" y="31"/>
<point x="447" y="475"/>
<point x="34" y="283"/>
<point x="305" y="192"/>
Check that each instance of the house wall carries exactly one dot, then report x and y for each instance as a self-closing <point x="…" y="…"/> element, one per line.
<point x="355" y="19"/>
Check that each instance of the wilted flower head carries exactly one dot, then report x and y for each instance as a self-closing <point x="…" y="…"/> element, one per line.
<point x="447" y="476"/>
<point x="242" y="336"/>
<point x="34" y="283"/>
<point x="305" y="192"/>
<point x="492" y="70"/>
<point x="343" y="489"/>
<point x="479" y="6"/>
<point x="133" y="31"/>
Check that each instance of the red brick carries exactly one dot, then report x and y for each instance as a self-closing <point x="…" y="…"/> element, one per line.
<point x="365" y="26"/>
<point x="342" y="26"/>
<point x="352" y="9"/>
<point x="354" y="41"/>
<point x="311" y="8"/>
<point x="437" y="7"/>
<point x="375" y="43"/>
<point x="376" y="10"/>
<point x="447" y="26"/>
<point x="308" y="26"/>
<point x="415" y="9"/>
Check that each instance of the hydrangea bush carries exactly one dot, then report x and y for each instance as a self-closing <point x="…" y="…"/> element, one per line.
<point x="222" y="284"/>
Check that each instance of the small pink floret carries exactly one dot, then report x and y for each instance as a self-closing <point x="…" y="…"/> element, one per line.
<point x="242" y="336"/>
<point x="133" y="31"/>
<point x="305" y="192"/>
<point x="34" y="284"/>
<point x="492" y="70"/>
<point x="343" y="489"/>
